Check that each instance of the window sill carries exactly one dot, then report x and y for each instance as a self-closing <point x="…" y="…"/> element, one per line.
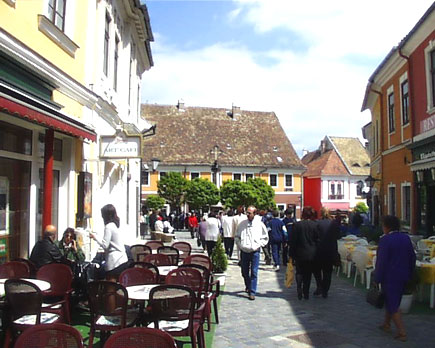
<point x="430" y="110"/>
<point x="57" y="35"/>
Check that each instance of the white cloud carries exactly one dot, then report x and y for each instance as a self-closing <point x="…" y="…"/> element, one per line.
<point x="314" y="93"/>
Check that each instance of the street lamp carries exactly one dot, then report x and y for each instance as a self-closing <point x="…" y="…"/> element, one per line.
<point x="153" y="164"/>
<point x="370" y="181"/>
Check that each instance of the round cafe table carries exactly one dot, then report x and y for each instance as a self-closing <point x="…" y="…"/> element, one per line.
<point x="41" y="284"/>
<point x="426" y="272"/>
<point x="140" y="292"/>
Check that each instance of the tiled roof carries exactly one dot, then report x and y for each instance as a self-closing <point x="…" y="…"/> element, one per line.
<point x="319" y="164"/>
<point x="353" y="154"/>
<point x="186" y="137"/>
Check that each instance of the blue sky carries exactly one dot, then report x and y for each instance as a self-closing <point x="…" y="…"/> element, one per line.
<point x="309" y="62"/>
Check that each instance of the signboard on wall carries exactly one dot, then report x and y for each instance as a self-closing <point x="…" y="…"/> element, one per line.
<point x="117" y="146"/>
<point x="84" y="197"/>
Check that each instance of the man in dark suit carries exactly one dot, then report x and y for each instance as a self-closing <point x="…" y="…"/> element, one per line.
<point x="45" y="250"/>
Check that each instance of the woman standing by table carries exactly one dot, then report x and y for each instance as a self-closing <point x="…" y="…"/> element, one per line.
<point x="395" y="263"/>
<point x="112" y="243"/>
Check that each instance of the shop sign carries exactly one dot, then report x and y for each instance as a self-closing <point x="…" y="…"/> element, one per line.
<point x="84" y="197"/>
<point x="428" y="124"/>
<point x="424" y="152"/>
<point x="3" y="247"/>
<point x="120" y="147"/>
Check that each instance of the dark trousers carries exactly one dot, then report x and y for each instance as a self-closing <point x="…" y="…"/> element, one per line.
<point x="267" y="254"/>
<point x="285" y="250"/>
<point x="303" y="277"/>
<point x="210" y="246"/>
<point x="229" y="246"/>
<point x="322" y="273"/>
<point x="275" y="252"/>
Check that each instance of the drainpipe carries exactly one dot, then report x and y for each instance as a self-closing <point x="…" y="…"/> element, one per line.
<point x="381" y="186"/>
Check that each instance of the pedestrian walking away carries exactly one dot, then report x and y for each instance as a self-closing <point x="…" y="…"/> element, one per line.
<point x="251" y="235"/>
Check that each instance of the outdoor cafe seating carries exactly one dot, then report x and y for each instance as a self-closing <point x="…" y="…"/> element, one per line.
<point x="50" y="335"/>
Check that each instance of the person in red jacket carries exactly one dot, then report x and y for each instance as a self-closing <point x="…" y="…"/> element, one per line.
<point x="192" y="221"/>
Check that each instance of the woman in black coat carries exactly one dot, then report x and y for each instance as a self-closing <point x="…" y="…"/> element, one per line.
<point x="303" y="248"/>
<point x="327" y="251"/>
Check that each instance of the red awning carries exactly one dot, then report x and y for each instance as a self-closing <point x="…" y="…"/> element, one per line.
<point x="47" y="119"/>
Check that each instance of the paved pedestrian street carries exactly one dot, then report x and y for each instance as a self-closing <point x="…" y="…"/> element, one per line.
<point x="278" y="319"/>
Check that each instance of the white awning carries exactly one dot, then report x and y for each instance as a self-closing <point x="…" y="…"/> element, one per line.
<point x="427" y="163"/>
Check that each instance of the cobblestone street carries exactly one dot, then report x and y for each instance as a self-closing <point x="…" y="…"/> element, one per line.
<point x="278" y="319"/>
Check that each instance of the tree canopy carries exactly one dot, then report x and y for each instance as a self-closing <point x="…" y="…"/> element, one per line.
<point x="172" y="187"/>
<point x="155" y="202"/>
<point x="253" y="192"/>
<point x="201" y="194"/>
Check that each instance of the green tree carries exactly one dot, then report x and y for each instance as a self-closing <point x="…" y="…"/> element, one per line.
<point x="264" y="194"/>
<point x="155" y="202"/>
<point x="361" y="207"/>
<point x="235" y="193"/>
<point x="172" y="187"/>
<point x="201" y="194"/>
<point x="253" y="192"/>
<point x="219" y="258"/>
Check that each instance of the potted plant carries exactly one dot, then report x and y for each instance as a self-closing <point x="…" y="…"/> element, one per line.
<point x="219" y="261"/>
<point x="408" y="293"/>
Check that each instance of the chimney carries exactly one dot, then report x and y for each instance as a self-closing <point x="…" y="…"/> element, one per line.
<point x="235" y="111"/>
<point x="180" y="105"/>
<point x="322" y="146"/>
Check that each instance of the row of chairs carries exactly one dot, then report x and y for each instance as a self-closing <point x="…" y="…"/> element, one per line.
<point x="180" y="306"/>
<point x="178" y="251"/>
<point x="65" y="336"/>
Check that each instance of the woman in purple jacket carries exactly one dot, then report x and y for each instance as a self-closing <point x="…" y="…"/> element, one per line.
<point x="395" y="263"/>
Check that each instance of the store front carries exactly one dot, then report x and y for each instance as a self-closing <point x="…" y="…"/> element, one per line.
<point x="423" y="166"/>
<point x="38" y="147"/>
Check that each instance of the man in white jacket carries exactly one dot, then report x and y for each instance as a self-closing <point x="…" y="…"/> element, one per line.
<point x="251" y="235"/>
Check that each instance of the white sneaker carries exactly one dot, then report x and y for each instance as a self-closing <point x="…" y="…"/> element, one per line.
<point x="277" y="268"/>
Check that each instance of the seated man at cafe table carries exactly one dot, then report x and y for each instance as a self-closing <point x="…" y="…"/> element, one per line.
<point x="45" y="250"/>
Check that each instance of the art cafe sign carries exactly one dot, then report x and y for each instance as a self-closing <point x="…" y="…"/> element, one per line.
<point x="117" y="146"/>
<point x="427" y="124"/>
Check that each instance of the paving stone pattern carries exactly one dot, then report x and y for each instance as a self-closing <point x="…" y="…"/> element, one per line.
<point x="278" y="319"/>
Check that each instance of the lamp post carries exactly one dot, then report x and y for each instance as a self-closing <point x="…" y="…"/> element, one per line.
<point x="215" y="166"/>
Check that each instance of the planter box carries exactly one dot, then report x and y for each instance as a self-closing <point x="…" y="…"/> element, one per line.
<point x="220" y="277"/>
<point x="405" y="304"/>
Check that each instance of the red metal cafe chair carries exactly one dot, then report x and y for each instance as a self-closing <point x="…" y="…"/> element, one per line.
<point x="50" y="336"/>
<point x="24" y="307"/>
<point x="154" y="244"/>
<point x="139" y="251"/>
<point x="14" y="269"/>
<point x="172" y="308"/>
<point x="108" y="303"/>
<point x="172" y="252"/>
<point x="185" y="247"/>
<point x="60" y="278"/>
<point x="198" y="259"/>
<point x="137" y="337"/>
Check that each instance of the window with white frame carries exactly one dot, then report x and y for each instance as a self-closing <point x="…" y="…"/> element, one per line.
<point x="194" y="175"/>
<point x="145" y="178"/>
<point x="406" y="203"/>
<point x="106" y="44"/>
<point x="115" y="64"/>
<point x="56" y="13"/>
<point x="392" y="200"/>
<point x="359" y="188"/>
<point x="273" y="180"/>
<point x="391" y="125"/>
<point x="336" y="189"/>
<point x="249" y="176"/>
<point x="430" y="75"/>
<point x="237" y="176"/>
<point x="288" y="180"/>
<point x="404" y="88"/>
<point x="130" y="73"/>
